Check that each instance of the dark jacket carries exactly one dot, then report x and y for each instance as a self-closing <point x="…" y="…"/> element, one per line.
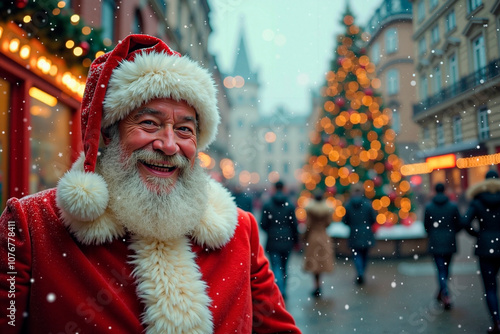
<point x="485" y="207"/>
<point x="243" y="201"/>
<point x="360" y="217"/>
<point x="279" y="222"/>
<point x="442" y="222"/>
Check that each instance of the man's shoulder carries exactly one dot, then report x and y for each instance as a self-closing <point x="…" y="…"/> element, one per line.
<point x="43" y="202"/>
<point x="246" y="221"/>
<point x="41" y="198"/>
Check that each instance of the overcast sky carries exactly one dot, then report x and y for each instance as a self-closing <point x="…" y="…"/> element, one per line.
<point x="290" y="43"/>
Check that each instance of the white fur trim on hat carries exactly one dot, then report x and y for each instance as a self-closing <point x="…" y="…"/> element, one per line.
<point x="158" y="75"/>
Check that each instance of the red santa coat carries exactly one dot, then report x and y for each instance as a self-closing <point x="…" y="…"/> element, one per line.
<point x="58" y="284"/>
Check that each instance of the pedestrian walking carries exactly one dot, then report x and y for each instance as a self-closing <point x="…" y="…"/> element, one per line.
<point x="442" y="223"/>
<point x="279" y="222"/>
<point x="360" y="216"/>
<point x="485" y="209"/>
<point x="318" y="247"/>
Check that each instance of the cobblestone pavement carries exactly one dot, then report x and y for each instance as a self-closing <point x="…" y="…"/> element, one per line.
<point x="398" y="297"/>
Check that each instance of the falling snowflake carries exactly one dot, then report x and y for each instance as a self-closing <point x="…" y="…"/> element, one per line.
<point x="51" y="297"/>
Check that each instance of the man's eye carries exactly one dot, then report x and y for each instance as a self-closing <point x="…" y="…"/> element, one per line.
<point x="185" y="129"/>
<point x="148" y="122"/>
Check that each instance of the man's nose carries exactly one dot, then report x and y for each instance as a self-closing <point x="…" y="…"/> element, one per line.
<point x="165" y="141"/>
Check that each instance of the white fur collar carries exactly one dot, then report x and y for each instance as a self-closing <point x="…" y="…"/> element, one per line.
<point x="215" y="229"/>
<point x="170" y="284"/>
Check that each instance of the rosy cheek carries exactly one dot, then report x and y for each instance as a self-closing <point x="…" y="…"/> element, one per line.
<point x="137" y="139"/>
<point x="189" y="149"/>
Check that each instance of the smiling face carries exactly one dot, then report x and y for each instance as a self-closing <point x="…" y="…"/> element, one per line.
<point x="161" y="132"/>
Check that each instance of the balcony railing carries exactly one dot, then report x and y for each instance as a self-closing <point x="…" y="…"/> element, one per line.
<point x="480" y="77"/>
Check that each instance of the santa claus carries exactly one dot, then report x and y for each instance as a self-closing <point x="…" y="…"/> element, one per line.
<point x="137" y="237"/>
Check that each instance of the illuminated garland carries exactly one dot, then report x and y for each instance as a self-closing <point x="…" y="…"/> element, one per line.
<point x="61" y="31"/>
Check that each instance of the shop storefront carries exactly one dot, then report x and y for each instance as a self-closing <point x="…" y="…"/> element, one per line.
<point x="458" y="166"/>
<point x="39" y="122"/>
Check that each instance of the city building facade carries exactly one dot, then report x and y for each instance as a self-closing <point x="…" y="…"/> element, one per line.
<point x="45" y="50"/>
<point x="284" y="147"/>
<point x="390" y="48"/>
<point x="458" y="78"/>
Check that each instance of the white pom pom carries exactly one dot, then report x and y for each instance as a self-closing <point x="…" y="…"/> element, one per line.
<point x="82" y="196"/>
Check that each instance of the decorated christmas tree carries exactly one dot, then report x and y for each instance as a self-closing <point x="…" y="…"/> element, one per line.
<point x="352" y="141"/>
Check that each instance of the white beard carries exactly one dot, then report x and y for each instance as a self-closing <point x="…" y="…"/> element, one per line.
<point x="169" y="212"/>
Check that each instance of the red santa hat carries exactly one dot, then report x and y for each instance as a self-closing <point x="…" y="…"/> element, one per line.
<point x="139" y="69"/>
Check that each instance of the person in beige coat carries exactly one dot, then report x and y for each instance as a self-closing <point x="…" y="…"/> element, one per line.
<point x="318" y="246"/>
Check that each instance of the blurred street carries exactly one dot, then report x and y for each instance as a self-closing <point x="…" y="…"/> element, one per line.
<point x="398" y="297"/>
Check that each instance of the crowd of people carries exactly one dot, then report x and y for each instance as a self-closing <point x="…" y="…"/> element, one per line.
<point x="442" y="222"/>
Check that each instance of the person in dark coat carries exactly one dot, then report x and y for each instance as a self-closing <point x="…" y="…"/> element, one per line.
<point x="242" y="199"/>
<point x="442" y="222"/>
<point x="279" y="222"/>
<point x="360" y="216"/>
<point x="485" y="208"/>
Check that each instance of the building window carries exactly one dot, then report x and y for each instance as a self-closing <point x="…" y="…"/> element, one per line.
<point x="479" y="58"/>
<point x="437" y="79"/>
<point x="435" y="35"/>
<point x="453" y="72"/>
<point x="421" y="11"/>
<point x="108" y="19"/>
<point x="50" y="142"/>
<point x="450" y="21"/>
<point x="286" y="168"/>
<point x="392" y="81"/>
<point x="457" y="129"/>
<point x="396" y="6"/>
<point x="422" y="46"/>
<point x="433" y="4"/>
<point x="383" y="10"/>
<point x="269" y="167"/>
<point x="473" y="4"/>
<point x="375" y="52"/>
<point x="396" y="121"/>
<point x="302" y="147"/>
<point x="424" y="86"/>
<point x="391" y="40"/>
<point x="483" y="125"/>
<point x="440" y="134"/>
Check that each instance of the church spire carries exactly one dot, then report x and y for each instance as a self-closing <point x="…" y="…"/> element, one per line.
<point x="242" y="64"/>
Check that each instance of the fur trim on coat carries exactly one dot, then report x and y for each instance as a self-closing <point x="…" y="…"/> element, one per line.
<point x="487" y="185"/>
